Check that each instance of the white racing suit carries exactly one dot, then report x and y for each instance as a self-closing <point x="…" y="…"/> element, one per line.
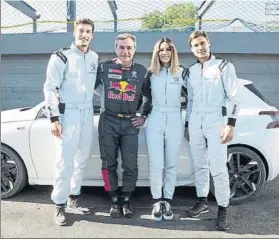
<point x="72" y="75"/>
<point x="209" y="87"/>
<point x="164" y="131"/>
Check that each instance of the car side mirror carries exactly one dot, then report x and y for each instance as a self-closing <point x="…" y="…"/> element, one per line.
<point x="43" y="113"/>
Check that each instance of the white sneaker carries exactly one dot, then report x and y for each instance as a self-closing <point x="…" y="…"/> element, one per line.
<point x="73" y="206"/>
<point x="157" y="211"/>
<point x="167" y="212"/>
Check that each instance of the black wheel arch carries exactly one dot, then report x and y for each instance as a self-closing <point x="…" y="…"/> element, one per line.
<point x="257" y="152"/>
<point x="12" y="149"/>
<point x="237" y="200"/>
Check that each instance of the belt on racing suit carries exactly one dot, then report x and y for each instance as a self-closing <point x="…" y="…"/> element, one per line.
<point x="206" y="109"/>
<point x="119" y="115"/>
<point x="165" y="108"/>
<point x="210" y="110"/>
<point x="77" y="106"/>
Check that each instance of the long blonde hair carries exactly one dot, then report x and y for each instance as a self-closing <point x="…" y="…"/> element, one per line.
<point x="155" y="61"/>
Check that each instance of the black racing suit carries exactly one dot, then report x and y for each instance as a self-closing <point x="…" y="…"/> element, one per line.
<point x="122" y="91"/>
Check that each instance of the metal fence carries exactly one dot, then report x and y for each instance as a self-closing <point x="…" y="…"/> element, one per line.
<point x="157" y="15"/>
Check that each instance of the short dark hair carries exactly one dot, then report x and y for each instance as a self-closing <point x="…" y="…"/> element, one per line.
<point x="197" y="34"/>
<point x="84" y="21"/>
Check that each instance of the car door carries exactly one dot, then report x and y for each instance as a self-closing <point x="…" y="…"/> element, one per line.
<point x="185" y="166"/>
<point x="143" y="163"/>
<point x="94" y="163"/>
<point x="42" y="147"/>
<point x="43" y="150"/>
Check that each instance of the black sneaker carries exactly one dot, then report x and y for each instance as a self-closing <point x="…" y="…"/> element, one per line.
<point x="167" y="212"/>
<point x="222" y="222"/>
<point x="60" y="215"/>
<point x="127" y="209"/>
<point x="201" y="207"/>
<point x="115" y="210"/>
<point x="74" y="205"/>
<point x="157" y="211"/>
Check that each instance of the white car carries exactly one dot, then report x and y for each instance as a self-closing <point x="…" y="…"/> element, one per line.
<point x="27" y="150"/>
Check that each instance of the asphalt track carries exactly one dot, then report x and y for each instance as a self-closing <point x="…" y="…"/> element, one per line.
<point x="30" y="214"/>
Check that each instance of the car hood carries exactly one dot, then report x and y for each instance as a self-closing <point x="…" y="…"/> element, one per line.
<point x="20" y="114"/>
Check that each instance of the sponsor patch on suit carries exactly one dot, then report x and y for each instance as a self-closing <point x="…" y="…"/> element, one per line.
<point x="115" y="76"/>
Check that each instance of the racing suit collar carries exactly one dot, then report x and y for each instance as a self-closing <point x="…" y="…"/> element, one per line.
<point x="117" y="61"/>
<point x="212" y="57"/>
<point x="74" y="47"/>
<point x="165" y="69"/>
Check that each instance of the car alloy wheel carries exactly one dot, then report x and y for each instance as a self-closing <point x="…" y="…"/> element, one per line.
<point x="13" y="172"/>
<point x="247" y="173"/>
<point x="244" y="174"/>
<point x="9" y="173"/>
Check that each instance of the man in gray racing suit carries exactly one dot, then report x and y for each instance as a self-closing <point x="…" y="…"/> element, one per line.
<point x="211" y="83"/>
<point x="71" y="74"/>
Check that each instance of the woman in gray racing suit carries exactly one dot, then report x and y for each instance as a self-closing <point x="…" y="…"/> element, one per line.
<point x="164" y="131"/>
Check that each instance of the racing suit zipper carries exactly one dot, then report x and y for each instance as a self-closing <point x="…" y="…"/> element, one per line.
<point x="121" y="109"/>
<point x="201" y="90"/>
<point x="121" y="112"/>
<point x="201" y="85"/>
<point x="85" y="83"/>
<point x="166" y="101"/>
<point x="166" y="87"/>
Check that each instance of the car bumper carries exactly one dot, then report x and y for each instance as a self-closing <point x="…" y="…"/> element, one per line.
<point x="270" y="150"/>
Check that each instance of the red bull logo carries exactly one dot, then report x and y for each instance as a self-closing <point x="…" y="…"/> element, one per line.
<point x="123" y="87"/>
<point x="115" y="85"/>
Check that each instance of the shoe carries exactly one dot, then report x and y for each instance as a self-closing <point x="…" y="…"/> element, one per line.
<point x="167" y="212"/>
<point x="115" y="210"/>
<point x="222" y="222"/>
<point x="60" y="215"/>
<point x="74" y="205"/>
<point x="157" y="211"/>
<point x="201" y="207"/>
<point x="127" y="209"/>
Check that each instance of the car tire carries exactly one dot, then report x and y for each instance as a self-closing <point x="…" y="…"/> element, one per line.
<point x="13" y="173"/>
<point x="244" y="185"/>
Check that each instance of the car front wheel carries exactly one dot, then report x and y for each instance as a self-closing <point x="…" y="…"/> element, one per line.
<point x="247" y="174"/>
<point x="13" y="173"/>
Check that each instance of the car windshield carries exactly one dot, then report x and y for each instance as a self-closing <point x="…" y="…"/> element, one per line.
<point x="253" y="89"/>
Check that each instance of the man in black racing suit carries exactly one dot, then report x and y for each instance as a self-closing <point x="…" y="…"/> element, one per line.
<point x="122" y="85"/>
